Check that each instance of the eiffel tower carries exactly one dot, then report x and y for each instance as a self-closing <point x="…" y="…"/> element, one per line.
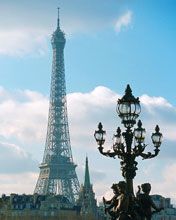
<point x="57" y="170"/>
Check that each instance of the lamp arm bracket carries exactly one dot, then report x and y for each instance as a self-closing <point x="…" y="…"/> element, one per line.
<point x="138" y="150"/>
<point x="149" y="155"/>
<point x="119" y="152"/>
<point x="107" y="153"/>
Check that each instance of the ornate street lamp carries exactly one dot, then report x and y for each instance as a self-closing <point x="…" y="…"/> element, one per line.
<point x="129" y="144"/>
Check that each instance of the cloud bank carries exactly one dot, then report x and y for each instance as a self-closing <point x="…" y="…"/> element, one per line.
<point x="15" y="160"/>
<point x="23" y="121"/>
<point x="23" y="115"/>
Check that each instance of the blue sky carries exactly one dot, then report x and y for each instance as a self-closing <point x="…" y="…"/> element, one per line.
<point x="142" y="54"/>
<point x="109" y="44"/>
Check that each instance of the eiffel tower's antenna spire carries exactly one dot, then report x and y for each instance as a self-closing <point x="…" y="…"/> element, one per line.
<point x="58" y="19"/>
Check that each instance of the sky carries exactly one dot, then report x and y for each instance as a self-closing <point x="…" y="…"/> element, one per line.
<point x="109" y="44"/>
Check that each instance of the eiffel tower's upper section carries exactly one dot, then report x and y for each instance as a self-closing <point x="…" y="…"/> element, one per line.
<point x="58" y="37"/>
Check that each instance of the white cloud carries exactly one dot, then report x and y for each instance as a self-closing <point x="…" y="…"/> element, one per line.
<point x="15" y="160"/>
<point x="86" y="110"/>
<point x="23" y="119"/>
<point x="123" y="21"/>
<point x="18" y="183"/>
<point x="166" y="186"/>
<point x="21" y="42"/>
<point x="23" y="115"/>
<point x="154" y="101"/>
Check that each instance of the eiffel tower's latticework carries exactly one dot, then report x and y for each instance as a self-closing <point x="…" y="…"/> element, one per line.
<point x="57" y="170"/>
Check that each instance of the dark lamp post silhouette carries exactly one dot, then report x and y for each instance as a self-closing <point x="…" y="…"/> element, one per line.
<point x="130" y="144"/>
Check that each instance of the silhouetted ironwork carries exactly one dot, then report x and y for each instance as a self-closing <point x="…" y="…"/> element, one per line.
<point x="57" y="170"/>
<point x="130" y="144"/>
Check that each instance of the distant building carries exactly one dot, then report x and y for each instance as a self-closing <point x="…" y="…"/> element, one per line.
<point x="23" y="206"/>
<point x="169" y="212"/>
<point x="87" y="199"/>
